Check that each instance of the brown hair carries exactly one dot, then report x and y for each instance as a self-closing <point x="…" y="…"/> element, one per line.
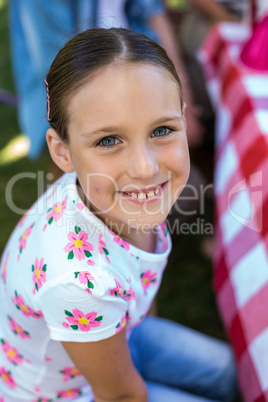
<point x="90" y="51"/>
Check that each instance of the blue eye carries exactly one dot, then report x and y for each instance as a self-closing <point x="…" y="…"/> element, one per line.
<point x="108" y="142"/>
<point x="161" y="131"/>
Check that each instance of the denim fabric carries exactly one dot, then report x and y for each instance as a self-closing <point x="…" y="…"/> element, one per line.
<point x="38" y="29"/>
<point x="180" y="364"/>
<point x="139" y="12"/>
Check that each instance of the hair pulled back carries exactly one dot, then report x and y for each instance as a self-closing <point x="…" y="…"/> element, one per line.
<point x="88" y="52"/>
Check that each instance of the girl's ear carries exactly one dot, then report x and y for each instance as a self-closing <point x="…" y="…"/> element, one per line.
<point x="59" y="151"/>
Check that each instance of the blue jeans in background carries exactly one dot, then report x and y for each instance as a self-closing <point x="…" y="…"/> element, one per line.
<point x="180" y="364"/>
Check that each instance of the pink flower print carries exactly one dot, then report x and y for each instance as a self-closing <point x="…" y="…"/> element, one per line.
<point x="4" y="271"/>
<point x="69" y="372"/>
<point x="70" y="393"/>
<point x="17" y="329"/>
<point x="147" y="278"/>
<point x="86" y="278"/>
<point x="78" y="246"/>
<point x="55" y="213"/>
<point x="120" y="241"/>
<point x="26" y="310"/>
<point x="164" y="228"/>
<point x="39" y="274"/>
<point x="163" y="235"/>
<point x="80" y="206"/>
<point x="82" y="321"/>
<point x="11" y="353"/>
<point x="123" y="322"/>
<point x="6" y="376"/>
<point x="23" y="239"/>
<point x="2" y="399"/>
<point x="118" y="290"/>
<point x="130" y="294"/>
<point x="103" y="249"/>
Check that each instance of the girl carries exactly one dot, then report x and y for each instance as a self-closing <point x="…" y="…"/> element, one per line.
<point x="82" y="267"/>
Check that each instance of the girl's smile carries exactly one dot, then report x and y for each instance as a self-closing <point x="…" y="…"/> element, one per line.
<point x="148" y="195"/>
<point x="127" y="143"/>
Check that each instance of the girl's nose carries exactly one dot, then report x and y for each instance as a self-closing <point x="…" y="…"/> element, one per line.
<point x="142" y="163"/>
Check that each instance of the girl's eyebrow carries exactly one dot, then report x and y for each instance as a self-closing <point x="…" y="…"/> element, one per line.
<point x="110" y="129"/>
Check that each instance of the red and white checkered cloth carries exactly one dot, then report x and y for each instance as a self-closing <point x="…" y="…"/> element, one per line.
<point x="240" y="97"/>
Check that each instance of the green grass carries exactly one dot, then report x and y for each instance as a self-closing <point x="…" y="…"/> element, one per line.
<point x="186" y="294"/>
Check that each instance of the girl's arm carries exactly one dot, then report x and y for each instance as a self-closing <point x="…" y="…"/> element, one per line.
<point x="108" y="368"/>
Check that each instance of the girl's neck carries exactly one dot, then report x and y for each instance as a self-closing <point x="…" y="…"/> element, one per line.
<point x="144" y="240"/>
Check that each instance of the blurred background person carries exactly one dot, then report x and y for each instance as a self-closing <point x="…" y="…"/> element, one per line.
<point x="192" y="32"/>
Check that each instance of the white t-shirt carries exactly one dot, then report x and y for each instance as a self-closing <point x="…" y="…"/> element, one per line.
<point x="66" y="277"/>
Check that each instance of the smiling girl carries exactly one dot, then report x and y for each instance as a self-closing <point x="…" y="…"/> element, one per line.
<point x="73" y="321"/>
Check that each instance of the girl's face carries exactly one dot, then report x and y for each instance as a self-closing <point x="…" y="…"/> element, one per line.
<point x="128" y="144"/>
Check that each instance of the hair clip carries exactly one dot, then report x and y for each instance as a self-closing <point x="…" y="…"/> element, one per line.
<point x="48" y="103"/>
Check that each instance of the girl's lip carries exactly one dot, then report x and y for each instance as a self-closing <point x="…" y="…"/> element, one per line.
<point x="147" y="196"/>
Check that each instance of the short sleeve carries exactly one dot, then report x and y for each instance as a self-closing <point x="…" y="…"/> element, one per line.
<point x="81" y="307"/>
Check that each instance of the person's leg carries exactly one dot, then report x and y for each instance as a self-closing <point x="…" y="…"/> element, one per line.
<point x="161" y="393"/>
<point x="171" y="354"/>
<point x="38" y="29"/>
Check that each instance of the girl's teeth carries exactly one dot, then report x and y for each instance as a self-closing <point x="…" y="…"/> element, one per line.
<point x="141" y="196"/>
<point x="151" y="194"/>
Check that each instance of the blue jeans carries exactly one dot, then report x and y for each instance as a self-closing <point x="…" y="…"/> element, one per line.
<point x="180" y="364"/>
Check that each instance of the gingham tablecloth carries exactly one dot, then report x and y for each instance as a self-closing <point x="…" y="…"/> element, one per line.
<point x="240" y="98"/>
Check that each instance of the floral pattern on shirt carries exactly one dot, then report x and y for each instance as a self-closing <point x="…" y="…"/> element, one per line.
<point x="11" y="353"/>
<point x="147" y="278"/>
<point x="117" y="239"/>
<point x="123" y="322"/>
<point x="85" y="278"/>
<point x="69" y="373"/>
<point x="103" y="249"/>
<point x="78" y="246"/>
<point x="70" y="393"/>
<point x="23" y="239"/>
<point x="6" y="376"/>
<point x="26" y="310"/>
<point x="120" y="291"/>
<point x="163" y="235"/>
<point x="79" y="320"/>
<point x="39" y="274"/>
<point x="55" y="213"/>
<point x="80" y="206"/>
<point x="17" y="329"/>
